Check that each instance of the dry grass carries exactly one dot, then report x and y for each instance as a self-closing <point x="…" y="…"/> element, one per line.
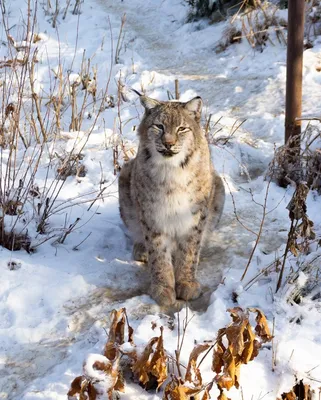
<point x="255" y="24"/>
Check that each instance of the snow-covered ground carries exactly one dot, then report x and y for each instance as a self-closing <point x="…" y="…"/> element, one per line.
<point x="55" y="303"/>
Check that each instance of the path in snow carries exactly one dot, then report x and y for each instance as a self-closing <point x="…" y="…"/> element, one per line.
<point x="226" y="82"/>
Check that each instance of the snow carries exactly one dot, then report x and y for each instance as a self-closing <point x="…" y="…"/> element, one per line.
<point x="55" y="305"/>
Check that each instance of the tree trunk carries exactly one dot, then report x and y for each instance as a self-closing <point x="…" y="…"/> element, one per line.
<point x="293" y="107"/>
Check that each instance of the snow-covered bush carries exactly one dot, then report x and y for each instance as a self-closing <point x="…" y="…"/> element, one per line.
<point x="48" y="112"/>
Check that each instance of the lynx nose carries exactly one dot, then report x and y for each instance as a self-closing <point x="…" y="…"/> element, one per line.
<point x="169" y="145"/>
<point x="168" y="141"/>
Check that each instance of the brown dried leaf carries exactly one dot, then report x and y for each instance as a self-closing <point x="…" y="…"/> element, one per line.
<point x="222" y="396"/>
<point x="175" y="390"/>
<point x="192" y="368"/>
<point x="84" y="388"/>
<point x="13" y="63"/>
<point x="36" y="38"/>
<point x="234" y="334"/>
<point x="262" y="329"/>
<point x="152" y="364"/>
<point x="120" y="383"/>
<point x="111" y="369"/>
<point x="158" y="365"/>
<point x="218" y="363"/>
<point x="289" y="396"/>
<point x="116" y="335"/>
<point x="140" y="367"/>
<point x="227" y="379"/>
<point x="297" y="206"/>
<point x="237" y="375"/>
<point x="237" y="314"/>
<point x="242" y="347"/>
<point x="206" y="395"/>
<point x="249" y="338"/>
<point x="75" y="386"/>
<point x="293" y="247"/>
<point x="86" y="385"/>
<point x="300" y="390"/>
<point x="92" y="393"/>
<point x="256" y="348"/>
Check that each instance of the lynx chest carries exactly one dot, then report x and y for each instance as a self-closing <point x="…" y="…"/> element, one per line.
<point x="175" y="207"/>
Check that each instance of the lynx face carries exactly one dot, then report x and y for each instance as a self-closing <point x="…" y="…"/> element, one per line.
<point x="169" y="130"/>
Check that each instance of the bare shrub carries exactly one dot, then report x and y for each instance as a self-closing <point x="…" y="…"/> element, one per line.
<point x="230" y="36"/>
<point x="312" y="21"/>
<point x="200" y="8"/>
<point x="254" y="23"/>
<point x="287" y="167"/>
<point x="31" y="121"/>
<point x="14" y="241"/>
<point x="217" y="10"/>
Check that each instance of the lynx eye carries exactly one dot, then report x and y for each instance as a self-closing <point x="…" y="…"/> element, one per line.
<point x="159" y="126"/>
<point x="182" y="129"/>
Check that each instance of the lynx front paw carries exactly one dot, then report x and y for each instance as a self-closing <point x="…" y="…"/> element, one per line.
<point x="188" y="290"/>
<point x="140" y="253"/>
<point x="163" y="295"/>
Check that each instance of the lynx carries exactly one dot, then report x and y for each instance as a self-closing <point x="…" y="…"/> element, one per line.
<point x="170" y="196"/>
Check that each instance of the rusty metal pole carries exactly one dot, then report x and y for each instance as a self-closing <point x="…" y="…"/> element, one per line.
<point x="293" y="101"/>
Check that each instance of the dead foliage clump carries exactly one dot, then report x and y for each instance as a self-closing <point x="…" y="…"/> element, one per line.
<point x="109" y="378"/>
<point x="150" y="368"/>
<point x="299" y="160"/>
<point x="298" y="163"/>
<point x="312" y="22"/>
<point x="254" y="22"/>
<point x="302" y="226"/>
<point x="192" y="385"/>
<point x="230" y="36"/>
<point x="286" y="166"/>
<point x="311" y="287"/>
<point x="217" y="11"/>
<point x="70" y="165"/>
<point x="99" y="378"/>
<point x="243" y="346"/>
<point x="300" y="391"/>
<point x="14" y="241"/>
<point x="200" y="9"/>
<point x="301" y="231"/>
<point x="236" y="344"/>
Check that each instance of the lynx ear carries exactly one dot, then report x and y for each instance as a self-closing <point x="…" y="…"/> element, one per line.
<point x="148" y="103"/>
<point x="195" y="106"/>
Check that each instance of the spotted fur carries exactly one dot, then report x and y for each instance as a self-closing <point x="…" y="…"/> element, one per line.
<point x="170" y="196"/>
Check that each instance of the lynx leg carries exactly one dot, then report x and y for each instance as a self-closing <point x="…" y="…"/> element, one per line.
<point x="126" y="206"/>
<point x="162" y="288"/>
<point x="218" y="201"/>
<point x="128" y="212"/>
<point x="187" y="259"/>
<point x="140" y="252"/>
<point x="186" y="262"/>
